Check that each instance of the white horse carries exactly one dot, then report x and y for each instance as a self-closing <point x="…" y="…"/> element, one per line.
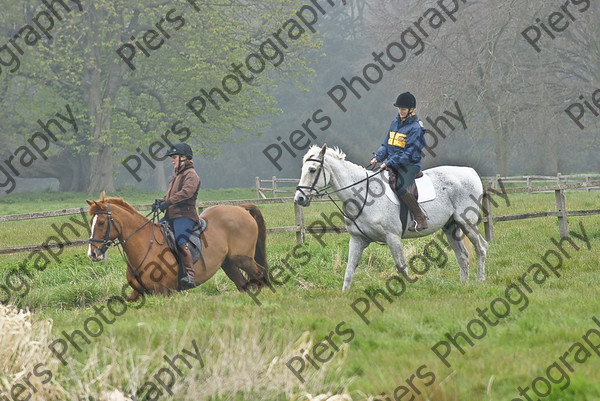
<point x="455" y="209"/>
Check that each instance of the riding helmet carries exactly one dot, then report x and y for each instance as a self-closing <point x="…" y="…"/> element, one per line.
<point x="406" y="100"/>
<point x="182" y="149"/>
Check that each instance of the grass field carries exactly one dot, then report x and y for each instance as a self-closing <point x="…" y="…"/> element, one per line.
<point x="539" y="342"/>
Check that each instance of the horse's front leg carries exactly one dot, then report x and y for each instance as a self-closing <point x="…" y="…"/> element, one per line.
<point x="134" y="296"/>
<point x="397" y="250"/>
<point x="355" y="251"/>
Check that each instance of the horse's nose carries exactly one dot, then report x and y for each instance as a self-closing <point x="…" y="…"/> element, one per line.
<point x="93" y="255"/>
<point x="299" y="199"/>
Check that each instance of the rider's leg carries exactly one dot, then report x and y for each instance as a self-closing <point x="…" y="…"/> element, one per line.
<point x="187" y="281"/>
<point x="406" y="176"/>
<point x="182" y="228"/>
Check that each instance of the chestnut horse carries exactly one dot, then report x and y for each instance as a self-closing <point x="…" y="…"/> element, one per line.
<point x="234" y="239"/>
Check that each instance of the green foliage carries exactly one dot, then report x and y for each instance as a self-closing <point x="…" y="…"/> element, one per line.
<point x="121" y="109"/>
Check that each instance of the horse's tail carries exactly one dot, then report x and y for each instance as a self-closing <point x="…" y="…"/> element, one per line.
<point x="260" y="255"/>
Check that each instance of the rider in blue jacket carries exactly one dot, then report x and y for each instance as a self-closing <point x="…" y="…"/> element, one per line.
<point x="401" y="154"/>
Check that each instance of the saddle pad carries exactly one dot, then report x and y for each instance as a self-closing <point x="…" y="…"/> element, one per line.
<point x="195" y="243"/>
<point x="424" y="186"/>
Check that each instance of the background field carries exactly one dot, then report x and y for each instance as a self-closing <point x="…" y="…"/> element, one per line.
<point x="245" y="346"/>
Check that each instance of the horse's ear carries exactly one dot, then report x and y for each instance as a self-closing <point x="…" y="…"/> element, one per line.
<point x="323" y="149"/>
<point x="102" y="195"/>
<point x="92" y="203"/>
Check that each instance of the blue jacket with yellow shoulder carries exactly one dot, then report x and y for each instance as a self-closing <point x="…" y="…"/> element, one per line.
<point x="403" y="143"/>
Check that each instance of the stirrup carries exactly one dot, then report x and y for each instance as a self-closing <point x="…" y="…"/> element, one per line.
<point x="414" y="227"/>
<point x="186" y="283"/>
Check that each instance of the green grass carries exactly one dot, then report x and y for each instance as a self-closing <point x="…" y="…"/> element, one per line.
<point x="246" y="346"/>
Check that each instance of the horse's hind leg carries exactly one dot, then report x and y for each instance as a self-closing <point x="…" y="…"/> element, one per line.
<point x="256" y="272"/>
<point x="481" y="246"/>
<point x="454" y="236"/>
<point x="234" y="275"/>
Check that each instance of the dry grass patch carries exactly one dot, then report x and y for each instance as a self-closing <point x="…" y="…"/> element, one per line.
<point x="23" y="350"/>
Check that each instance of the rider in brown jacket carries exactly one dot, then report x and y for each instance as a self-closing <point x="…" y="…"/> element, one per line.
<point x="180" y="205"/>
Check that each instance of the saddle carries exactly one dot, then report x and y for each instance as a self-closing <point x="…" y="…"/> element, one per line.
<point x="195" y="244"/>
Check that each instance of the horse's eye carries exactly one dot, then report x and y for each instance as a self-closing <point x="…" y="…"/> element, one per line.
<point x="312" y="169"/>
<point x="100" y="223"/>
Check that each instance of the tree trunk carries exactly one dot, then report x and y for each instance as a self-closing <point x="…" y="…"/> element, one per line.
<point x="104" y="82"/>
<point x="500" y="135"/>
<point x="161" y="179"/>
<point x="101" y="166"/>
<point x="502" y="150"/>
<point x="101" y="174"/>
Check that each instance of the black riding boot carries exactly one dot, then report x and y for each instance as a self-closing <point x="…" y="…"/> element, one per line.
<point x="419" y="219"/>
<point x="187" y="281"/>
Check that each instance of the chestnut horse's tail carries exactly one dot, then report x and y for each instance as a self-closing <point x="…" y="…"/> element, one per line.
<point x="260" y="255"/>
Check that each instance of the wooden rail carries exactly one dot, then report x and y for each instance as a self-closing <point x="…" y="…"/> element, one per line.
<point x="529" y="182"/>
<point x="301" y="229"/>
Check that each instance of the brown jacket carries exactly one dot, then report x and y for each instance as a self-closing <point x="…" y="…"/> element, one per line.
<point x="182" y="193"/>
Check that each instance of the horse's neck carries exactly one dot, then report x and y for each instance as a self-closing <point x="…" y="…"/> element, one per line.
<point x="128" y="222"/>
<point x="345" y="173"/>
<point x="136" y="237"/>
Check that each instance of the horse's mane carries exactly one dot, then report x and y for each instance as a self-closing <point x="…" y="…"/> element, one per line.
<point x="113" y="201"/>
<point x="333" y="152"/>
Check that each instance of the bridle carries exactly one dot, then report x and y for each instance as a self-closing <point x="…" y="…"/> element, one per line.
<point x="323" y="191"/>
<point x="312" y="188"/>
<point x="108" y="243"/>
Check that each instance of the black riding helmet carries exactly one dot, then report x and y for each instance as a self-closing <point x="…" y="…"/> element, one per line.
<point x="182" y="149"/>
<point x="406" y="100"/>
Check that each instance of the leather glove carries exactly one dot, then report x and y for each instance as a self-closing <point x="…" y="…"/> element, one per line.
<point x="162" y="205"/>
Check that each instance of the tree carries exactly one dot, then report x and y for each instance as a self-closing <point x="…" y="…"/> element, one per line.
<point x="120" y="109"/>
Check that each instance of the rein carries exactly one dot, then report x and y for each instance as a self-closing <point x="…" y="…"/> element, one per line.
<point x="106" y="243"/>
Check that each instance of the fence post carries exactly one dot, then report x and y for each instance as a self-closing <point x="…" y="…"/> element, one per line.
<point x="259" y="194"/>
<point x="299" y="217"/>
<point x="274" y="186"/>
<point x="495" y="182"/>
<point x="561" y="208"/>
<point x="587" y="180"/>
<point x="487" y="212"/>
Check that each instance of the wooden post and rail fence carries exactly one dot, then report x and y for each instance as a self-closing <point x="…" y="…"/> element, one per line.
<point x="559" y="187"/>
